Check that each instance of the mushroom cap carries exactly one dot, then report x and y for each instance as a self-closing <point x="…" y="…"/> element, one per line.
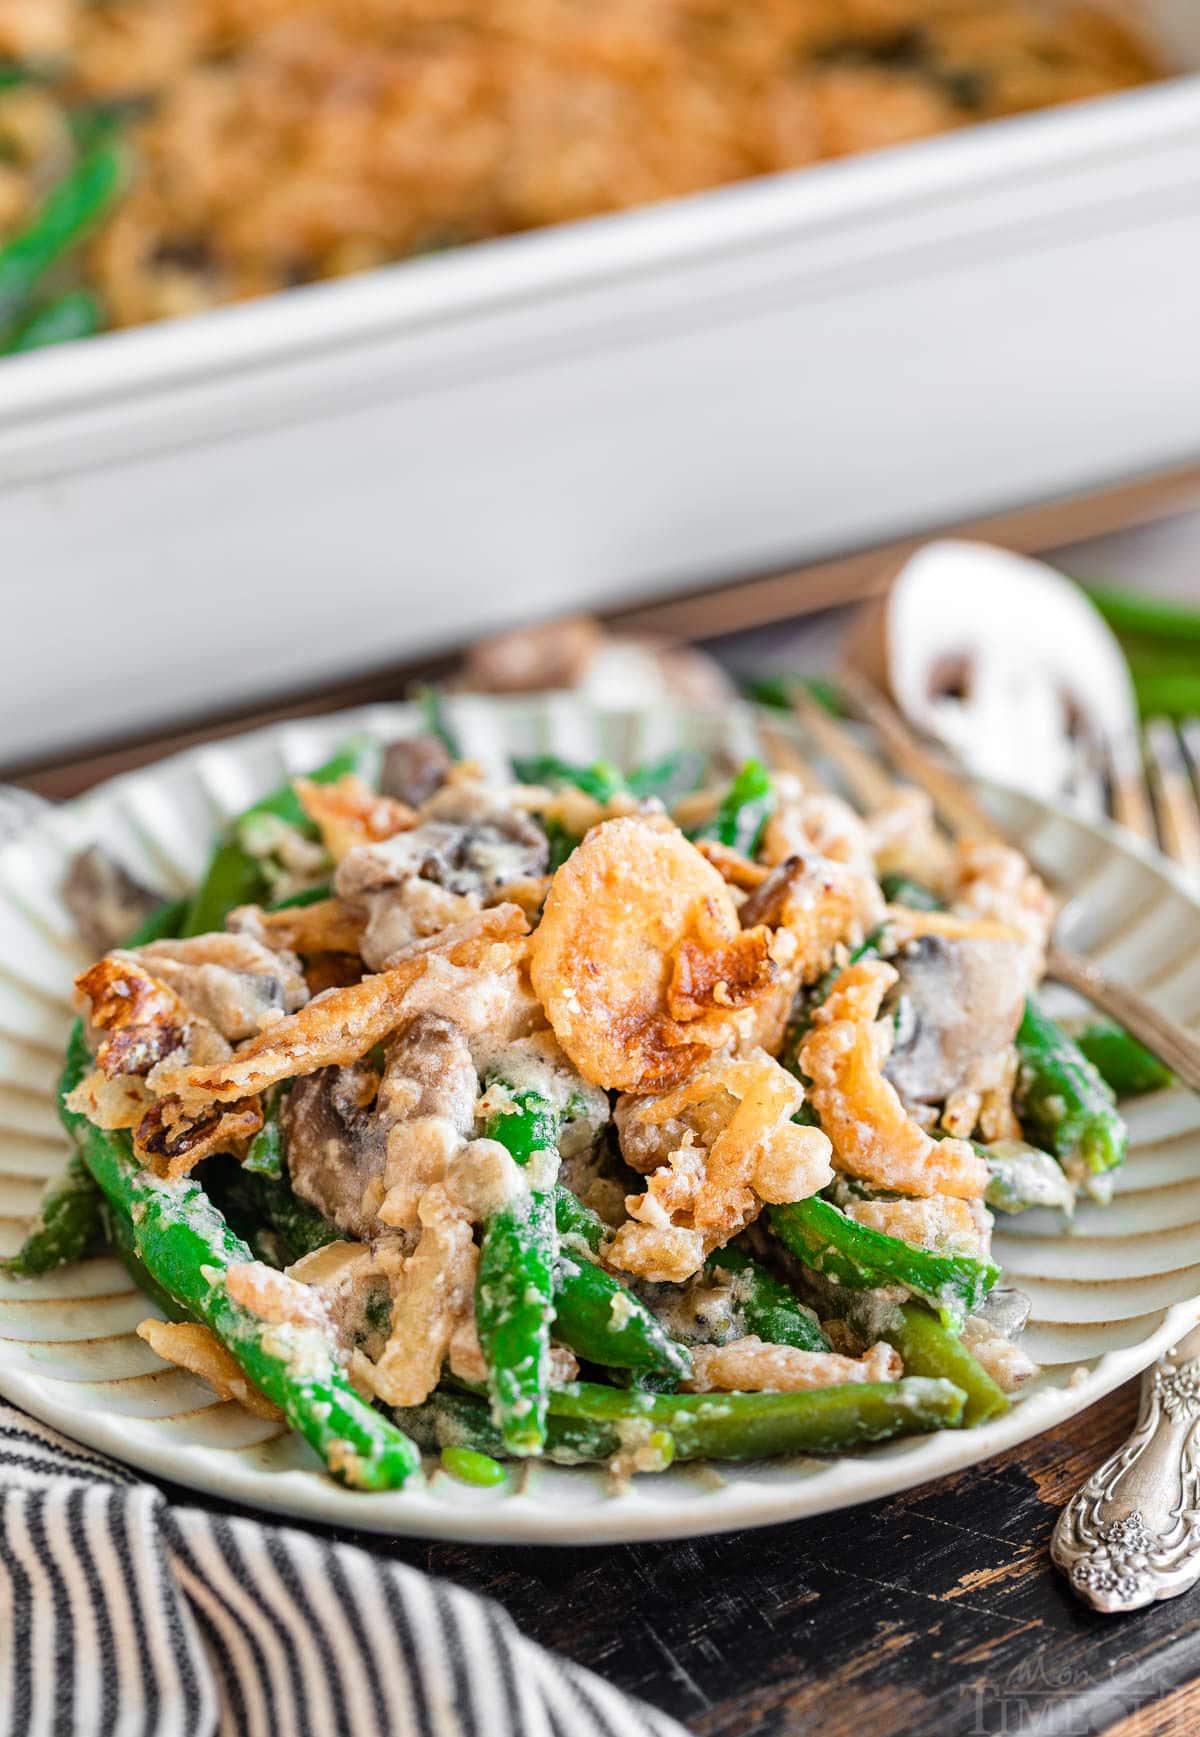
<point x="1002" y="659"/>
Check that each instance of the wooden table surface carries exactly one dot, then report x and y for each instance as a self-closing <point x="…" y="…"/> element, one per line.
<point x="932" y="1614"/>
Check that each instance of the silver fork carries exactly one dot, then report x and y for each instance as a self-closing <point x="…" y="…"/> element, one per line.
<point x="1131" y="1534"/>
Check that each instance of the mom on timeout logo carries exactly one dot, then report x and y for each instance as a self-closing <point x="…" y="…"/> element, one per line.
<point x="1054" y="1697"/>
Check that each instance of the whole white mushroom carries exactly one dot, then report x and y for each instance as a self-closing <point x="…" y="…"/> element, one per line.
<point x="1004" y="661"/>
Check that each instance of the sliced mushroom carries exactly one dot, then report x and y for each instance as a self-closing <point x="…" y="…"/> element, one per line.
<point x="235" y="982"/>
<point x="414" y="768"/>
<point x="1003" y="660"/>
<point x="468" y="842"/>
<point x="105" y="900"/>
<point x="958" y="1003"/>
<point x="341" y="1124"/>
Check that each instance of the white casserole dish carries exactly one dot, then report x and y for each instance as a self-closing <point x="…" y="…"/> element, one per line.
<point x="357" y="472"/>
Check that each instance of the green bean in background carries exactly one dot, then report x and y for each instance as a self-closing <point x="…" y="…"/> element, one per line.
<point x="1061" y="1100"/>
<point x="900" y="889"/>
<point x="824" y="1238"/>
<point x="743" y="811"/>
<point x="264" y="1155"/>
<point x="780" y="692"/>
<point x="1126" y="1066"/>
<point x="586" y="1422"/>
<point x="71" y="208"/>
<point x="514" y="1287"/>
<point x="930" y="1349"/>
<point x="187" y="1248"/>
<point x="234" y="875"/>
<point x="77" y="314"/>
<point x="68" y="1221"/>
<point x="432" y="702"/>
<point x="673" y="776"/>
<point x="271" y="1200"/>
<point x="601" y="779"/>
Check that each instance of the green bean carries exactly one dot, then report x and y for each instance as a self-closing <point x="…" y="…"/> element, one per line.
<point x="930" y="1349"/>
<point x="1123" y="1063"/>
<point x="561" y="841"/>
<point x="587" y="1422"/>
<point x="161" y="925"/>
<point x="514" y="1287"/>
<point x="264" y="1155"/>
<point x="669" y="778"/>
<point x="187" y="1248"/>
<point x="765" y="1305"/>
<point x="235" y="876"/>
<point x="306" y="896"/>
<point x="780" y="691"/>
<point x="271" y="1199"/>
<point x="900" y="889"/>
<point x="432" y="702"/>
<point x="68" y="1219"/>
<point x="1022" y="1176"/>
<point x="824" y="1238"/>
<point x="744" y="810"/>
<point x="597" y="1316"/>
<point x="118" y="1233"/>
<point x="76" y="314"/>
<point x="601" y="780"/>
<point x="71" y="208"/>
<point x="471" y="1467"/>
<point x="1061" y="1099"/>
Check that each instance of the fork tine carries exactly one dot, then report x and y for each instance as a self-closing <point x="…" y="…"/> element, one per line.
<point x="868" y="782"/>
<point x="1174" y="795"/>
<point x="1130" y="799"/>
<point x="957" y="807"/>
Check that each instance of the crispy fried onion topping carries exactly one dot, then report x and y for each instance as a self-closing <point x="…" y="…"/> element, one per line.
<point x="751" y="1365"/>
<point x="738" y="1147"/>
<point x="335" y="1028"/>
<point x="640" y="961"/>
<point x="731" y="865"/>
<point x="995" y="882"/>
<point x="328" y="926"/>
<point x="815" y="906"/>
<point x="873" y="1136"/>
<point x="195" y="1348"/>
<point x="348" y="813"/>
<point x="432" y="1298"/>
<point x="938" y="1222"/>
<point x="144" y="1021"/>
<point x="170" y="1143"/>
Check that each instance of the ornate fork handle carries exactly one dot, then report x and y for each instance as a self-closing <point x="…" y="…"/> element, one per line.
<point x="1131" y="1535"/>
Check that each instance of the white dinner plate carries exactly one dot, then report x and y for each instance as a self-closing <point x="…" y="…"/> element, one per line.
<point x="1108" y="1295"/>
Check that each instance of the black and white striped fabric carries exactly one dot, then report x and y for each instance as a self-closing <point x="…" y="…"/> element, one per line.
<point x="123" y="1616"/>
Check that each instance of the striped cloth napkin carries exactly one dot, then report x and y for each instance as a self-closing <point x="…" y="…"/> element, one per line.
<point x="122" y="1615"/>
